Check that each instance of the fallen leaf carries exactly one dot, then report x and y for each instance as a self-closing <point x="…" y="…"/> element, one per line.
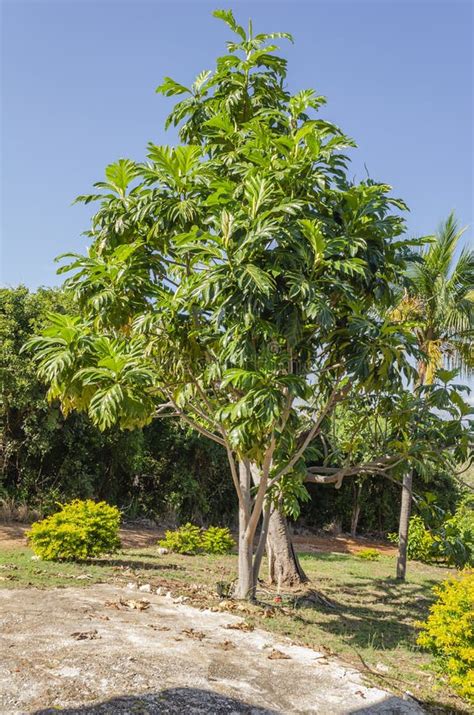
<point x="227" y="645"/>
<point x="243" y="626"/>
<point x="278" y="655"/>
<point x="112" y="604"/>
<point x="191" y="633"/>
<point x="133" y="605"/>
<point x="85" y="635"/>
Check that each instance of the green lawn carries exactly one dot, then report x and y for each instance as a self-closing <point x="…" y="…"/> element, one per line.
<point x="352" y="608"/>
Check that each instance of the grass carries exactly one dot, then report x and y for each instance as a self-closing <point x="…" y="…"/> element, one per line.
<point x="352" y="607"/>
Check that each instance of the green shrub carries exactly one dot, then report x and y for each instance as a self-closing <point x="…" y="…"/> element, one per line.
<point x="369" y="554"/>
<point x="449" y="632"/>
<point x="190" y="539"/>
<point x="217" y="540"/>
<point x="185" y="540"/>
<point x="454" y="540"/>
<point x="420" y="541"/>
<point x="81" y="529"/>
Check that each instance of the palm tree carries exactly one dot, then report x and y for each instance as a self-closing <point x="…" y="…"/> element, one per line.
<point x="440" y="300"/>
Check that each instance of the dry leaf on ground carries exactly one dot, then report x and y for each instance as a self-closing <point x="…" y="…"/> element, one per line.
<point x="85" y="635"/>
<point x="278" y="655"/>
<point x="243" y="626"/>
<point x="133" y="605"/>
<point x="227" y="645"/>
<point x="191" y="633"/>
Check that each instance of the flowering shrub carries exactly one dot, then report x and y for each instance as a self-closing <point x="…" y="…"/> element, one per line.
<point x="81" y="529"/>
<point x="449" y="632"/>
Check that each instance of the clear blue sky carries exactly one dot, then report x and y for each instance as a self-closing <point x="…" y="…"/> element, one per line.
<point x="78" y="92"/>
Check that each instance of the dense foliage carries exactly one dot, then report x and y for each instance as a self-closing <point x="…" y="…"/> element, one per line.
<point x="454" y="540"/>
<point x="77" y="531"/>
<point x="420" y="541"/>
<point x="449" y="632"/>
<point x="162" y="471"/>
<point x="451" y="542"/>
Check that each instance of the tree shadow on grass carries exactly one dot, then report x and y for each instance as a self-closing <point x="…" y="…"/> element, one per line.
<point x="325" y="556"/>
<point x="377" y="613"/>
<point x="136" y="565"/>
<point x="173" y="701"/>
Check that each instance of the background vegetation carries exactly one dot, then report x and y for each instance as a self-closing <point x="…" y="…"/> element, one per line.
<point x="163" y="471"/>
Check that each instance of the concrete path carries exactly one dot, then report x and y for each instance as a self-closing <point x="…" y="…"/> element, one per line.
<point x="104" y="650"/>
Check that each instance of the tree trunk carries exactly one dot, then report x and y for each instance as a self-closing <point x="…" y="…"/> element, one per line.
<point x="356" y="509"/>
<point x="405" y="509"/>
<point x="284" y="569"/>
<point x="245" y="588"/>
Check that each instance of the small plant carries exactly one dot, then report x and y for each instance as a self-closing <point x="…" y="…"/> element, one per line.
<point x="369" y="554"/>
<point x="217" y="540"/>
<point x="185" y="540"/>
<point x="420" y="541"/>
<point x="449" y="632"/>
<point x="81" y="529"/>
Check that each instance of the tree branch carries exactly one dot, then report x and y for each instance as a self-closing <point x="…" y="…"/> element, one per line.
<point x="334" y="398"/>
<point x="195" y="425"/>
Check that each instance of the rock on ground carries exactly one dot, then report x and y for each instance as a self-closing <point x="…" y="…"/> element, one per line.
<point x="83" y="651"/>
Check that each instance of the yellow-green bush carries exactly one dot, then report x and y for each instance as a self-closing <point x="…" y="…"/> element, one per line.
<point x="369" y="554"/>
<point x="185" y="540"/>
<point x="190" y="539"/>
<point x="81" y="529"/>
<point x="217" y="540"/>
<point x="449" y="632"/>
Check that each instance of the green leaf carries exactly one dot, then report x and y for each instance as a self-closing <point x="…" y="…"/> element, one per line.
<point x="169" y="88"/>
<point x="228" y="17"/>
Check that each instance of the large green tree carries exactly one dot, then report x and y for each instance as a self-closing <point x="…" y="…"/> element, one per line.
<point x="231" y="282"/>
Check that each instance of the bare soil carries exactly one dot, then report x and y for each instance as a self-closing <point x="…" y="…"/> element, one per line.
<point x="134" y="537"/>
<point x="105" y="650"/>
